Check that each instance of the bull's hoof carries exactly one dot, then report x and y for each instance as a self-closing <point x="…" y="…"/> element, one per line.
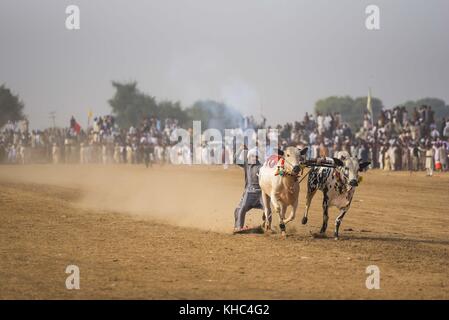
<point x="267" y="228"/>
<point x="283" y="234"/>
<point x="304" y="220"/>
<point x="319" y="235"/>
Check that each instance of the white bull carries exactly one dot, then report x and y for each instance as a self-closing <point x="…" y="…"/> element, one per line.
<point x="278" y="180"/>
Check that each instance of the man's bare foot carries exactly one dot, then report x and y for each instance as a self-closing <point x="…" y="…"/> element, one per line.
<point x="239" y="230"/>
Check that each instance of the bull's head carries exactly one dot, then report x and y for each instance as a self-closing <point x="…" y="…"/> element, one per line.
<point x="293" y="157"/>
<point x="351" y="168"/>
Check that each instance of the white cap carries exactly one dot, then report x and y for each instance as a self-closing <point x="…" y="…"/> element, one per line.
<point x="252" y="152"/>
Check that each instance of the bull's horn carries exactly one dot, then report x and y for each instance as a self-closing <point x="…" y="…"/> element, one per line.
<point x="279" y="152"/>
<point x="363" y="165"/>
<point x="338" y="162"/>
<point x="303" y="151"/>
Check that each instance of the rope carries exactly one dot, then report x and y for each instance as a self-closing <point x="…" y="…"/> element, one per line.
<point x="300" y="180"/>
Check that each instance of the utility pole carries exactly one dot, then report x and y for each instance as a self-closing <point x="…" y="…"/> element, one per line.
<point x="53" y="118"/>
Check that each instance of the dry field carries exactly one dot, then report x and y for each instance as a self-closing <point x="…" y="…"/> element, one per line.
<point x="165" y="233"/>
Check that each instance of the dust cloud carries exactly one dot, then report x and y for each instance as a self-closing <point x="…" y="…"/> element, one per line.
<point x="202" y="197"/>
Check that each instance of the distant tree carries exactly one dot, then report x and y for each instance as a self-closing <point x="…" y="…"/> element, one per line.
<point x="168" y="109"/>
<point x="130" y="106"/>
<point x="438" y="106"/>
<point x="351" y="110"/>
<point x="197" y="112"/>
<point x="11" y="108"/>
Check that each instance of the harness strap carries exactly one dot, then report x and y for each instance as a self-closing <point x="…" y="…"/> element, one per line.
<point x="282" y="172"/>
<point x="281" y="168"/>
<point x="300" y="180"/>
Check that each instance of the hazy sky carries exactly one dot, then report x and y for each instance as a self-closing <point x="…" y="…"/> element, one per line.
<point x="280" y="55"/>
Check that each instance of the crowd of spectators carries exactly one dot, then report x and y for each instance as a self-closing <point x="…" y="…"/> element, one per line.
<point x="396" y="140"/>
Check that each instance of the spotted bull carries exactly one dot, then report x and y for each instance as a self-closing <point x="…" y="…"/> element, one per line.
<point x="338" y="186"/>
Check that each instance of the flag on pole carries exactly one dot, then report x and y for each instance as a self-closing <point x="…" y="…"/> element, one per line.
<point x="77" y="127"/>
<point x="370" y="107"/>
<point x="368" y="103"/>
<point x="74" y="125"/>
<point x="89" y="117"/>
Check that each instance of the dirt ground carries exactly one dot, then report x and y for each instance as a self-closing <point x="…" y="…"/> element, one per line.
<point x="165" y="233"/>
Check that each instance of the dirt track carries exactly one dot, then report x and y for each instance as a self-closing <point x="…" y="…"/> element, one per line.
<point x="164" y="233"/>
